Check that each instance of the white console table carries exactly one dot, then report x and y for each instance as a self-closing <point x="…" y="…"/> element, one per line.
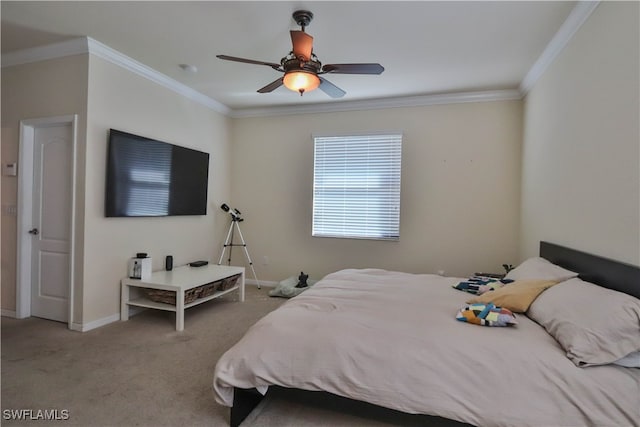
<point x="179" y="279"/>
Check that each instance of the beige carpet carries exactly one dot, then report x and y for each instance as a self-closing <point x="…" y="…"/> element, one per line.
<point x="136" y="373"/>
<point x="144" y="373"/>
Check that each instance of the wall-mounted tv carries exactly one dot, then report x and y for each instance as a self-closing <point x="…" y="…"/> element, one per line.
<point x="146" y="177"/>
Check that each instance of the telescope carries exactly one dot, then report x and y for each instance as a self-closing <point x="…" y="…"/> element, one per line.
<point x="235" y="213"/>
<point x="236" y="219"/>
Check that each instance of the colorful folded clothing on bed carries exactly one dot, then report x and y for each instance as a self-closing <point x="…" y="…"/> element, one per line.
<point x="480" y="284"/>
<point x="486" y="315"/>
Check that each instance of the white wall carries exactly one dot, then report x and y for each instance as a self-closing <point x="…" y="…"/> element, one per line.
<point x="123" y="100"/>
<point x="581" y="173"/>
<point x="473" y="197"/>
<point x="460" y="190"/>
<point x="55" y="87"/>
<point x="106" y="96"/>
<point x="460" y="181"/>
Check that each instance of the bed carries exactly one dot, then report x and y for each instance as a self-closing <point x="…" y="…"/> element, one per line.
<point x="391" y="339"/>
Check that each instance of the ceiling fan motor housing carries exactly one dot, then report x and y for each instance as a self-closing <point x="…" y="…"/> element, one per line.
<point x="301" y="66"/>
<point x="294" y="64"/>
<point x="302" y="17"/>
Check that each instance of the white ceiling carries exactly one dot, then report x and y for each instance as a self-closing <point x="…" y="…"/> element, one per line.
<point x="426" y="47"/>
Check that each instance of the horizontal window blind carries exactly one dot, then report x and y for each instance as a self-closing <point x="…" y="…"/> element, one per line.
<point x="356" y="186"/>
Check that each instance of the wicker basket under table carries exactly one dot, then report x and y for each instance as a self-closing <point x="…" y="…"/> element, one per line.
<point x="169" y="297"/>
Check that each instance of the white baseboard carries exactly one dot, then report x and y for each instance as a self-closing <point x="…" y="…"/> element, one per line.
<point x="7" y="313"/>
<point x="84" y="327"/>
<point x="267" y="283"/>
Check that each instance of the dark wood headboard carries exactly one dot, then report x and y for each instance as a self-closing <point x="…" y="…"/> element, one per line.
<point x="602" y="271"/>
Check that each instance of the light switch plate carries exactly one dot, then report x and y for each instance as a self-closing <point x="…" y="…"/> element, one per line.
<point x="10" y="169"/>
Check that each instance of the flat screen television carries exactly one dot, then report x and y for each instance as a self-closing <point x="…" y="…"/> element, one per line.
<point x="146" y="177"/>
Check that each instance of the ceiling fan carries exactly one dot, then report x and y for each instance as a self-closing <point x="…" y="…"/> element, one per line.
<point x="301" y="67"/>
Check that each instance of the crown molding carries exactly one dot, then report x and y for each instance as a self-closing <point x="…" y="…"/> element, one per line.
<point x="381" y="103"/>
<point x="84" y="45"/>
<point x="574" y="21"/>
<point x="88" y="45"/>
<point x="105" y="52"/>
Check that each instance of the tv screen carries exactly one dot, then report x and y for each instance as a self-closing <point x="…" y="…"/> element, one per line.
<point x="146" y="177"/>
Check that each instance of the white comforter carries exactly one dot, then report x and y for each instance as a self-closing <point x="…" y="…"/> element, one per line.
<point x="392" y="339"/>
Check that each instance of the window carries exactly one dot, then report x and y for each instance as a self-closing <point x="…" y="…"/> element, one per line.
<point x="356" y="186"/>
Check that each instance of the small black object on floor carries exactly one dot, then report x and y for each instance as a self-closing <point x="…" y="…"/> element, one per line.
<point x="302" y="280"/>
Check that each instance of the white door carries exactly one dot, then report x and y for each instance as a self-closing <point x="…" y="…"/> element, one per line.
<point x="51" y="222"/>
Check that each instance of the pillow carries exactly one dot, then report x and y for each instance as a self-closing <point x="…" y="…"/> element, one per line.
<point x="594" y="325"/>
<point x="540" y="268"/>
<point x="486" y="315"/>
<point x="630" y="360"/>
<point x="480" y="284"/>
<point x="516" y="297"/>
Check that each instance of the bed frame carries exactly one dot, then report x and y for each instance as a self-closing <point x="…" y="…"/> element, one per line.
<point x="602" y="271"/>
<point x="605" y="272"/>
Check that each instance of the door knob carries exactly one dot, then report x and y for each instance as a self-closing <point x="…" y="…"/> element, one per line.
<point x="34" y="231"/>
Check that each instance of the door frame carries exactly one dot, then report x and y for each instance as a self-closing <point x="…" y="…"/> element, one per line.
<point x="25" y="210"/>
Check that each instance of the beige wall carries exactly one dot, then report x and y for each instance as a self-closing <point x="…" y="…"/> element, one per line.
<point x="105" y="96"/>
<point x="473" y="196"/>
<point x="43" y="89"/>
<point x="460" y="190"/>
<point x="581" y="173"/>
<point x="9" y="197"/>
<point x="122" y="100"/>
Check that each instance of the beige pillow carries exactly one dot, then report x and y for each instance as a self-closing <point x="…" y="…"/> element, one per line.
<point x="594" y="325"/>
<point x="541" y="269"/>
<point x="516" y="296"/>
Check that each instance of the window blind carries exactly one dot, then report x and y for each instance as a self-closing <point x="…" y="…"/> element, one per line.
<point x="356" y="186"/>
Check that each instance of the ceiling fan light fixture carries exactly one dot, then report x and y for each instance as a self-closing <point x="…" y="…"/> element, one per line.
<point x="301" y="66"/>
<point x="301" y="81"/>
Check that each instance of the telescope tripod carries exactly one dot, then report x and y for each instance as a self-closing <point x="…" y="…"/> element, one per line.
<point x="228" y="243"/>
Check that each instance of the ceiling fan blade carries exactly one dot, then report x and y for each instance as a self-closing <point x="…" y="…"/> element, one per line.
<point x="271" y="86"/>
<point x="249" y="61"/>
<point x="353" y="68"/>
<point x="302" y="44"/>
<point x="330" y="89"/>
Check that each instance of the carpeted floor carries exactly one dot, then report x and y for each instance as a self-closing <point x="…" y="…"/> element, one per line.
<point x="144" y="373"/>
<point x="136" y="373"/>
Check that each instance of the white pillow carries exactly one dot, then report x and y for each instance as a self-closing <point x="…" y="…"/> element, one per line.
<point x="541" y="269"/>
<point x="594" y="325"/>
<point x="631" y="360"/>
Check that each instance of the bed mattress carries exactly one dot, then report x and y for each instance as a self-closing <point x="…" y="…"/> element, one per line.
<point x="391" y="339"/>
